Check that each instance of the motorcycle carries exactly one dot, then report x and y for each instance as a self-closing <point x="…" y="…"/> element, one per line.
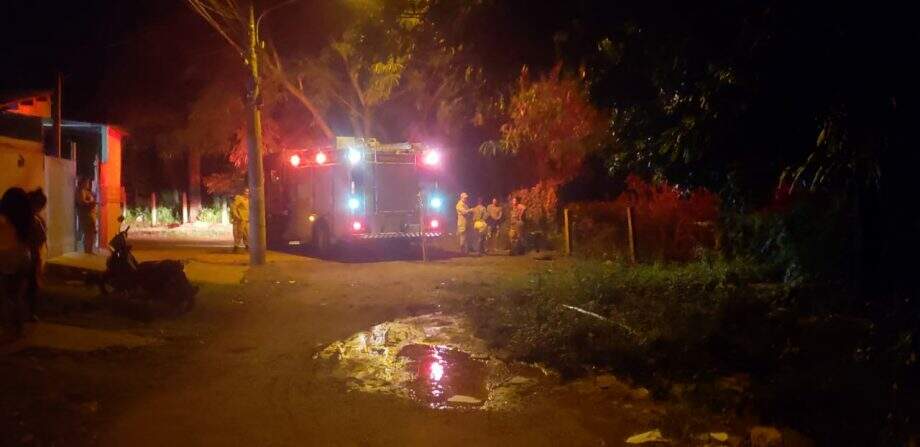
<point x="156" y="282"/>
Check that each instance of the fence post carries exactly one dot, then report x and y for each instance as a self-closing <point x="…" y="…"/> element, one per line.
<point x="184" y="207"/>
<point x="565" y="232"/>
<point x="631" y="235"/>
<point x="153" y="208"/>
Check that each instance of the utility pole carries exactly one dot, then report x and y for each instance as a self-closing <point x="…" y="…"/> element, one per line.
<point x="56" y="117"/>
<point x="254" y="143"/>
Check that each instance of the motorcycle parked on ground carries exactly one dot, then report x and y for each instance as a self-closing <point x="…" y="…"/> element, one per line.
<point x="161" y="284"/>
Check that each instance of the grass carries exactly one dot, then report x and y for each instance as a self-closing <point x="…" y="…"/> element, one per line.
<point x="609" y="314"/>
<point x="810" y="364"/>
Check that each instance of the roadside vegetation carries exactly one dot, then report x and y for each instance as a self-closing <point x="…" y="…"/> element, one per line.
<point x="711" y="334"/>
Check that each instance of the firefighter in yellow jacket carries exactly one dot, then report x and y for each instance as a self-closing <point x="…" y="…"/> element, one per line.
<point x="464" y="213"/>
<point x="239" y="217"/>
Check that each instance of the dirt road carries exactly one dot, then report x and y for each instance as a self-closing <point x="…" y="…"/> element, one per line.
<point x="240" y="369"/>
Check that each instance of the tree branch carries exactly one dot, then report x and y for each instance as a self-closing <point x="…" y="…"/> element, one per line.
<point x="273" y="63"/>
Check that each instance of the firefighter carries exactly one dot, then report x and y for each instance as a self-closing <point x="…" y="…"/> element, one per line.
<point x="86" y="214"/>
<point x="239" y="217"/>
<point x="516" y="226"/>
<point x="463" y="217"/>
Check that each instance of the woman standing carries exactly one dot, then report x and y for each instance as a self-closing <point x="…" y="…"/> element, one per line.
<point x="15" y="260"/>
<point x="38" y="240"/>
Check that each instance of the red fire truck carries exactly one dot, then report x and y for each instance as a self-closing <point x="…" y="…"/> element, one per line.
<point x="357" y="190"/>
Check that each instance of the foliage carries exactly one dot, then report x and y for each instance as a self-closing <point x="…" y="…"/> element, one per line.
<point x="137" y="216"/>
<point x="213" y="125"/>
<point x="542" y="202"/>
<point x="388" y="73"/>
<point x="166" y="216"/>
<point x="140" y="216"/>
<point x="800" y="241"/>
<point x="210" y="214"/>
<point x="669" y="224"/>
<point x="810" y="363"/>
<point x="642" y="310"/>
<point x="224" y="183"/>
<point x="229" y="20"/>
<point x="552" y="123"/>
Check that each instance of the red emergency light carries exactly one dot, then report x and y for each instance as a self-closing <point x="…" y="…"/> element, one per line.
<point x="357" y="226"/>
<point x="320" y="158"/>
<point x="434" y="224"/>
<point x="431" y="158"/>
<point x="295" y="160"/>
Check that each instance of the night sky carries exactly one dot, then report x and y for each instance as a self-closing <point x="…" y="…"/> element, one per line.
<point x="122" y="58"/>
<point x="85" y="41"/>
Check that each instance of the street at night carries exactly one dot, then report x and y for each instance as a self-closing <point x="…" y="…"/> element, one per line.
<point x="242" y="367"/>
<point x="458" y="222"/>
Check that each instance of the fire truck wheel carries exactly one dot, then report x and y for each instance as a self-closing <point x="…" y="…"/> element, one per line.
<point x="321" y="239"/>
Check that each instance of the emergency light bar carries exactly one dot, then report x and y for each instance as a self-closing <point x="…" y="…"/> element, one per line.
<point x="319" y="157"/>
<point x="355" y="156"/>
<point x="431" y="157"/>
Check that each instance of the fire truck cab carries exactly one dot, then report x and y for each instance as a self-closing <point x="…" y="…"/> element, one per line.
<point x="357" y="190"/>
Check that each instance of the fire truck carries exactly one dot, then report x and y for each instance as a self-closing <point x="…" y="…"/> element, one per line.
<point x="357" y="190"/>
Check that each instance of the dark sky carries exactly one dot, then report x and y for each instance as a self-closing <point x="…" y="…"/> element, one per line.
<point x="85" y="41"/>
<point x="121" y="56"/>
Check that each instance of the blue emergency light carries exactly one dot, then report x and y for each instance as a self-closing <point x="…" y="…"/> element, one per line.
<point x="354" y="203"/>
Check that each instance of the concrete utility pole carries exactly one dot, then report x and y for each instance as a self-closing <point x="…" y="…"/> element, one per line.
<point x="56" y="116"/>
<point x="256" y="175"/>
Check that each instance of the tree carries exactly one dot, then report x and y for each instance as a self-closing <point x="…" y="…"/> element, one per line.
<point x="230" y="21"/>
<point x="552" y="123"/>
<point x="214" y="126"/>
<point x="357" y="73"/>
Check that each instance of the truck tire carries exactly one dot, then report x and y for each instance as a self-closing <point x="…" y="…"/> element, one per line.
<point x="321" y="242"/>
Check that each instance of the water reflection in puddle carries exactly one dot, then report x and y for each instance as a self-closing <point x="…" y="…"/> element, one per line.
<point x="434" y="360"/>
<point x="440" y="373"/>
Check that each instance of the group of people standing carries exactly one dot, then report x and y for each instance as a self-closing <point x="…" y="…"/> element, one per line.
<point x="479" y="225"/>
<point x="23" y="238"/>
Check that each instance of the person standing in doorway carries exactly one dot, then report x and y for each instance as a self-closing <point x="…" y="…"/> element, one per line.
<point x="463" y="220"/>
<point x="239" y="218"/>
<point x="86" y="214"/>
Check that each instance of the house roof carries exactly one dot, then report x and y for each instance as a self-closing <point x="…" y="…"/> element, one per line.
<point x="8" y="96"/>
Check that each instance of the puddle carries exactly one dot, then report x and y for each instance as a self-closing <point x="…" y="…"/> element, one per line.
<point x="432" y="359"/>
<point x="435" y="360"/>
<point x="441" y="373"/>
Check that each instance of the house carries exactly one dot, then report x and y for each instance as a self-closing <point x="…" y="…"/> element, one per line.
<point x="90" y="150"/>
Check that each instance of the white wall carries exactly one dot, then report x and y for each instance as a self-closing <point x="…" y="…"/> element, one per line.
<point x="60" y="185"/>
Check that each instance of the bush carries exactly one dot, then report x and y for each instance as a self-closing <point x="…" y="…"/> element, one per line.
<point x="166" y="216"/>
<point x="642" y="316"/>
<point x="210" y="214"/>
<point x="810" y="366"/>
<point x="669" y="224"/>
<point x="808" y="239"/>
<point x="542" y="202"/>
<point x="138" y="216"/>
